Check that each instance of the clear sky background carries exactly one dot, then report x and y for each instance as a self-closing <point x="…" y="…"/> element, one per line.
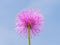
<point x="50" y="34"/>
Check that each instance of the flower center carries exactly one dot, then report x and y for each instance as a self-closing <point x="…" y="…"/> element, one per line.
<point x="29" y="26"/>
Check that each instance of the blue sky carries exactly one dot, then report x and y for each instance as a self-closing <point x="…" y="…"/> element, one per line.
<point x="50" y="34"/>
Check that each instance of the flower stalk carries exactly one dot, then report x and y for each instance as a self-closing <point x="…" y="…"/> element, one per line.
<point x="29" y="42"/>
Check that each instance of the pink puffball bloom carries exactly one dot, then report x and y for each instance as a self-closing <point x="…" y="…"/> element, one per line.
<point x="32" y="18"/>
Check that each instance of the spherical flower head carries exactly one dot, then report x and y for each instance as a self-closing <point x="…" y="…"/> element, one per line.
<point x="29" y="18"/>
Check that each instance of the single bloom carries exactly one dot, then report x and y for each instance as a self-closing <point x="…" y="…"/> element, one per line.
<point x="29" y="18"/>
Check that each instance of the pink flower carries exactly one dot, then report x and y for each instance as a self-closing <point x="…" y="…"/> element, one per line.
<point x="31" y="18"/>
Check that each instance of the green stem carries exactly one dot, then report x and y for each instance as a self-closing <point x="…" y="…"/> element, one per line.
<point x="29" y="43"/>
